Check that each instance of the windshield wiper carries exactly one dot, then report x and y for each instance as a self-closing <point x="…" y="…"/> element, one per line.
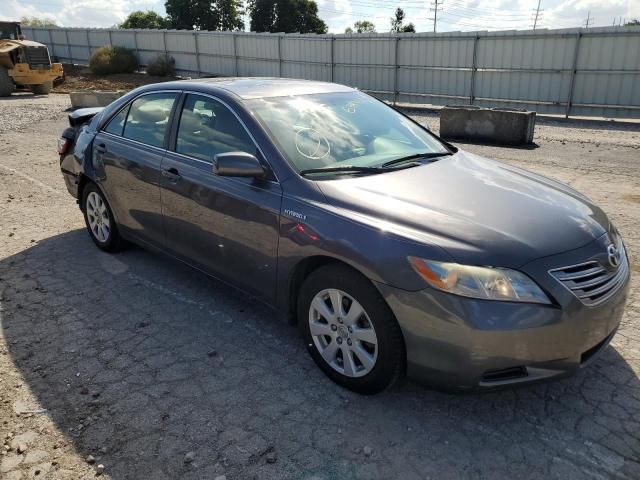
<point x="415" y="156"/>
<point x="346" y="168"/>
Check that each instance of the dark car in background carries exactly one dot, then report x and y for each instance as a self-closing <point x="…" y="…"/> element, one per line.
<point x="394" y="251"/>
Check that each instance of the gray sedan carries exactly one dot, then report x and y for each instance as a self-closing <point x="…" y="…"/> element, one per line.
<point x="395" y="252"/>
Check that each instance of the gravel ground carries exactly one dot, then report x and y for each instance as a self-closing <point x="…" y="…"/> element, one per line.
<point x="23" y="109"/>
<point x="154" y="371"/>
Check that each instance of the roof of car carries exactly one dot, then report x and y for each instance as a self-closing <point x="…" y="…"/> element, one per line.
<point x="260" y="87"/>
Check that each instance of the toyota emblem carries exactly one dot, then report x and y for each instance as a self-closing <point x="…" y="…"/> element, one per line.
<point x="614" y="255"/>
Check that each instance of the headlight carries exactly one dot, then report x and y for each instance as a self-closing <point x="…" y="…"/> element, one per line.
<point x="479" y="282"/>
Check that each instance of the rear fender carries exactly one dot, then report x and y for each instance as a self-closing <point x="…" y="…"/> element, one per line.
<point x="80" y="134"/>
<point x="79" y="160"/>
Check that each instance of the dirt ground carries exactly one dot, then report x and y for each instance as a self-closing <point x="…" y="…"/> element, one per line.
<point x="78" y="77"/>
<point x="154" y="371"/>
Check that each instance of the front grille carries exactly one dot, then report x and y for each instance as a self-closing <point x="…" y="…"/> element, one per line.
<point x="37" y="57"/>
<point x="591" y="281"/>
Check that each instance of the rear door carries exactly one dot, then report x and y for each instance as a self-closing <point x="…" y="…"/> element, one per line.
<point x="227" y="226"/>
<point x="130" y="149"/>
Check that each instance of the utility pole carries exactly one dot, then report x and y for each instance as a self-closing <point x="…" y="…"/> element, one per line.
<point x="436" y="4"/>
<point x="589" y="20"/>
<point x="535" y="20"/>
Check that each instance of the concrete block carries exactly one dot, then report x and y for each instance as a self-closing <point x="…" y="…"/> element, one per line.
<point x="512" y="127"/>
<point x="88" y="98"/>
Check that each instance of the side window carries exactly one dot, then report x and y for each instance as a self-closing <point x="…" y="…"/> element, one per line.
<point x="116" y="124"/>
<point x="149" y="117"/>
<point x="207" y="128"/>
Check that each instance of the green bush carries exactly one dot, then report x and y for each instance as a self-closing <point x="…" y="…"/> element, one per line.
<point x="110" y="59"/>
<point x="162" y="66"/>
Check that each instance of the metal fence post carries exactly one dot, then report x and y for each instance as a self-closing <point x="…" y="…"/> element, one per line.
<point x="135" y="42"/>
<point x="574" y="70"/>
<point x="88" y="45"/>
<point x="333" y="65"/>
<point x="279" y="55"/>
<point x="474" y="69"/>
<point x="110" y="38"/>
<point x="51" y="41"/>
<point x="396" y="70"/>
<point x="197" y="50"/>
<point x="66" y="36"/>
<point x="235" y="54"/>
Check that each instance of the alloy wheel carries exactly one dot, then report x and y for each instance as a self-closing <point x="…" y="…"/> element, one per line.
<point x="343" y="333"/>
<point x="98" y="217"/>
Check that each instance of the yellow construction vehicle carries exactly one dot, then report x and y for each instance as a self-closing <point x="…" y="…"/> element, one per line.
<point x="24" y="63"/>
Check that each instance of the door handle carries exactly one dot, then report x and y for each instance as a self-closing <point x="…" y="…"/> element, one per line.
<point x="102" y="148"/>
<point x="172" y="174"/>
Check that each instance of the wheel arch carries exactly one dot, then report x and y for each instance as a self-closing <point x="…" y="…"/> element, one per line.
<point x="302" y="270"/>
<point x="83" y="181"/>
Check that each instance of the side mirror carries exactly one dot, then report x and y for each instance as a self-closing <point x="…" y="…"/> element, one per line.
<point x="237" y="164"/>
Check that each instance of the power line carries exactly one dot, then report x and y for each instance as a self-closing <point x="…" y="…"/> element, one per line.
<point x="521" y="21"/>
<point x="502" y="17"/>
<point x="486" y="10"/>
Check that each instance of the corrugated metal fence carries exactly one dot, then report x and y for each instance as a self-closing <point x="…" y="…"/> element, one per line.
<point x="591" y="72"/>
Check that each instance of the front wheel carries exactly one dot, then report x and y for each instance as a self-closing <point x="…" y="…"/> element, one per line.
<point x="349" y="330"/>
<point x="42" y="89"/>
<point x="99" y="220"/>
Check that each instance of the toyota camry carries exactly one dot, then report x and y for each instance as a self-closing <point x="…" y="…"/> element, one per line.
<point x="394" y="251"/>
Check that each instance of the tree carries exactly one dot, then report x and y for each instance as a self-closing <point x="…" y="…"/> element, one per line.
<point x="362" y="26"/>
<point x="140" y="19"/>
<point x="409" y="28"/>
<point x="286" y="16"/>
<point x="180" y="14"/>
<point x="38" y="22"/>
<point x="205" y="14"/>
<point x="632" y="23"/>
<point x="396" y="23"/>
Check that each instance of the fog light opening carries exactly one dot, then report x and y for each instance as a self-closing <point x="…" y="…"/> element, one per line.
<point x="505" y="374"/>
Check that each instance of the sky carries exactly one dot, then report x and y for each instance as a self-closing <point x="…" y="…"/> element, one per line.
<point x="453" y="15"/>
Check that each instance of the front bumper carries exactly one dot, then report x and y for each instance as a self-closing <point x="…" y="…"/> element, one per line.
<point x="24" y="75"/>
<point x="458" y="343"/>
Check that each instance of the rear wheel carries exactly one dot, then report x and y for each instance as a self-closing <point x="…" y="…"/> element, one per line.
<point x="7" y="87"/>
<point x="42" y="89"/>
<point x="349" y="330"/>
<point x="99" y="220"/>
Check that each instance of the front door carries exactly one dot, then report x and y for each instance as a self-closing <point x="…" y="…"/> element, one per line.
<point x="224" y="225"/>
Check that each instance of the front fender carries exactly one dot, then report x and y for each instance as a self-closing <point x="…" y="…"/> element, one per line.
<point x="310" y="229"/>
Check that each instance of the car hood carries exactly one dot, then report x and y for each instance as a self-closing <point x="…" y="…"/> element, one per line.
<point x="478" y="210"/>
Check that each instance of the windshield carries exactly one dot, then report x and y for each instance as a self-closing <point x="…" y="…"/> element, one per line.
<point x="333" y="130"/>
<point x="8" y="31"/>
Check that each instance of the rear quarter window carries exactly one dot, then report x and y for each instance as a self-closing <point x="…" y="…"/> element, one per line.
<point x="116" y="124"/>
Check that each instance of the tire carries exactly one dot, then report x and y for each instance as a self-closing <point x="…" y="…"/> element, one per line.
<point x="42" y="89"/>
<point x="7" y="87"/>
<point x="372" y="340"/>
<point x="97" y="215"/>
